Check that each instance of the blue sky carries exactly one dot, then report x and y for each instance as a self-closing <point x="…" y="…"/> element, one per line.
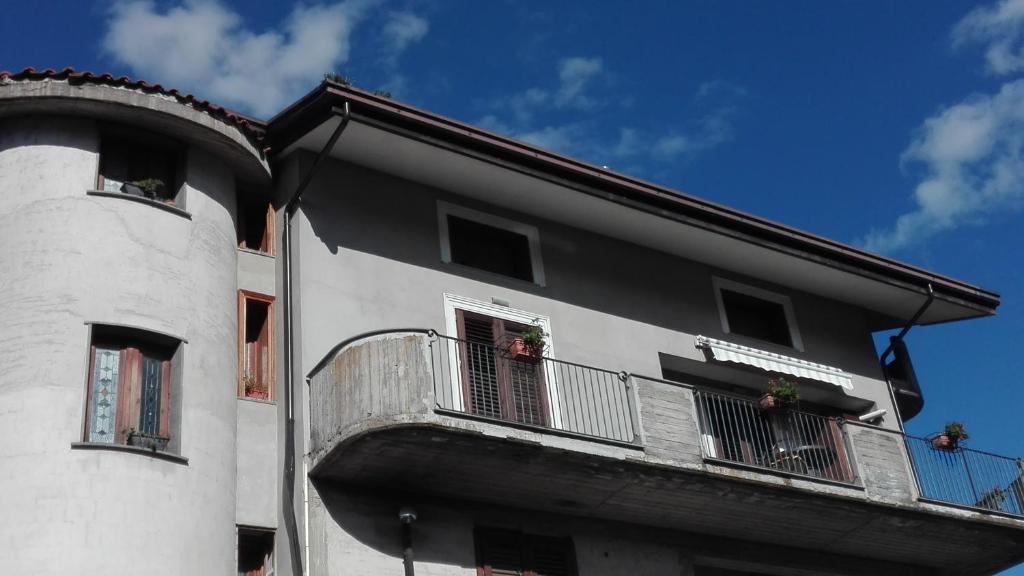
<point x="893" y="125"/>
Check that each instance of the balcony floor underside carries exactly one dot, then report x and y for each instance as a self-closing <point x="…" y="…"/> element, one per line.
<point x="454" y="464"/>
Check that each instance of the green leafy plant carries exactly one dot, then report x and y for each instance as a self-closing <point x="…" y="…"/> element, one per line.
<point x="535" y="335"/>
<point x="955" y="431"/>
<point x="151" y="187"/>
<point x="338" y="78"/>
<point x="784" y="391"/>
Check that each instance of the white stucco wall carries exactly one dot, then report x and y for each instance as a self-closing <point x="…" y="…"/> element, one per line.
<point x="67" y="259"/>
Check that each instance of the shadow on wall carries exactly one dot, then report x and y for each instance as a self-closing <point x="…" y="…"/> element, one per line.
<point x="359" y="209"/>
<point x="372" y="520"/>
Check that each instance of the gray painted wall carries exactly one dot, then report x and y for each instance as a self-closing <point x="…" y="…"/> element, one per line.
<point x="370" y="259"/>
<point x="68" y="258"/>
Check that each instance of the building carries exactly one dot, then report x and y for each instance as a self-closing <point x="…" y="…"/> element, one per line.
<point x="305" y="346"/>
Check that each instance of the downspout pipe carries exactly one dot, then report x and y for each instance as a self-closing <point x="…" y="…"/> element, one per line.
<point x="288" y="485"/>
<point x="892" y="343"/>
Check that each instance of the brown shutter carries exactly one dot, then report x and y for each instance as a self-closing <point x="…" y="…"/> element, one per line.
<point x="499" y="552"/>
<point x="480" y="366"/>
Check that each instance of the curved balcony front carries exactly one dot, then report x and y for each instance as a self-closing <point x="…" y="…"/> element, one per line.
<point x="416" y="412"/>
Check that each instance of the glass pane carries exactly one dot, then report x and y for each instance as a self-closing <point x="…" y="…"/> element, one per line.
<point x="149" y="415"/>
<point x="103" y="400"/>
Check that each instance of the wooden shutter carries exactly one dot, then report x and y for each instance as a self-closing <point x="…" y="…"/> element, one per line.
<point x="256" y="345"/>
<point x="496" y="384"/>
<point x="480" y="372"/>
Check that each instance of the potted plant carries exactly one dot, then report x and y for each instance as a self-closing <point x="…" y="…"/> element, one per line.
<point x="152" y="188"/>
<point x="254" y="388"/>
<point x="530" y="345"/>
<point x="148" y="441"/>
<point x="993" y="499"/>
<point x="781" y="395"/>
<point x="950" y="437"/>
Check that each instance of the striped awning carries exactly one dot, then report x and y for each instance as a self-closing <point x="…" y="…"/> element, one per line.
<point x="723" y="351"/>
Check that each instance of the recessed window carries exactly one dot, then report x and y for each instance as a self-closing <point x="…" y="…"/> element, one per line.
<point x="255" y="552"/>
<point x="490" y="243"/>
<point x="511" y="553"/>
<point x="255" y="346"/>
<point x="140" y="164"/>
<point x="130" y="399"/>
<point x="255" y="224"/>
<point x="756" y="313"/>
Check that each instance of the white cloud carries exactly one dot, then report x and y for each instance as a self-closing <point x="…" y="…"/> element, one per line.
<point x="402" y="30"/>
<point x="1000" y="27"/>
<point x="972" y="155"/>
<point x="204" y="47"/>
<point x="574" y="75"/>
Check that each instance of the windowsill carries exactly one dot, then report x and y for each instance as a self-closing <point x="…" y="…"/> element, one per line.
<point x="133" y="449"/>
<point x="258" y="400"/>
<point x="256" y="252"/>
<point x="141" y="200"/>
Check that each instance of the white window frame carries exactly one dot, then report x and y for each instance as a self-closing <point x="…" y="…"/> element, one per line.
<point x="454" y="302"/>
<point x="761" y="293"/>
<point x="531" y="233"/>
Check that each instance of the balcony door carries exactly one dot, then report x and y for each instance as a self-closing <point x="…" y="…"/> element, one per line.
<point x="497" y="383"/>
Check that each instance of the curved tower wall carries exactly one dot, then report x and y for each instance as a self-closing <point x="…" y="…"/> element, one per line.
<point x="68" y="259"/>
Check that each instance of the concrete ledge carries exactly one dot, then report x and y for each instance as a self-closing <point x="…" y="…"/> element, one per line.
<point x="133" y="449"/>
<point x="141" y="200"/>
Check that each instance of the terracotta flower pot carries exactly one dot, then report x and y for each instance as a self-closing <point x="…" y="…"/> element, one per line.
<point x="525" y="352"/>
<point x="768" y="403"/>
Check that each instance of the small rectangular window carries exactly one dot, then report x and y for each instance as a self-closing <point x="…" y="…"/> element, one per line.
<point x="488" y="248"/>
<point x="255" y="552"/>
<point x="255" y="346"/>
<point x="129" y="400"/>
<point x="255" y="224"/>
<point x="756" y="313"/>
<point x="490" y="243"/>
<point x="502" y="552"/>
<point x="140" y="164"/>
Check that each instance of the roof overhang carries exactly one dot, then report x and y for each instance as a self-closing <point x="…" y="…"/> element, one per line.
<point x="397" y="139"/>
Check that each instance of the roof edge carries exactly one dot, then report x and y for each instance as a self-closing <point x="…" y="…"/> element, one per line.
<point x="315" y="107"/>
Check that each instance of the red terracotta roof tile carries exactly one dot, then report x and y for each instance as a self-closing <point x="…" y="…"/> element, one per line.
<point x="252" y="128"/>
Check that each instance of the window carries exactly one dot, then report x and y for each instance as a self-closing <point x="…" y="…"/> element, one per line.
<point x="255" y="552"/>
<point x="255" y="346"/>
<point x="130" y="388"/>
<point x="510" y="553"/>
<point x="139" y="164"/>
<point x="255" y="224"/>
<point x="498" y="384"/>
<point x="490" y="243"/>
<point x="756" y="313"/>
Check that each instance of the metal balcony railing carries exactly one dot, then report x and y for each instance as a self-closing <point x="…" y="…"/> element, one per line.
<point x="502" y="383"/>
<point x="735" y="430"/>
<point x="968" y="477"/>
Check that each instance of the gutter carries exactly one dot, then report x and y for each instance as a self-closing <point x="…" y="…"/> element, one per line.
<point x="892" y="343"/>
<point x="288" y="484"/>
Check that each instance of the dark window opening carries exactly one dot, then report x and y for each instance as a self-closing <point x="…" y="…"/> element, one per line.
<point x="510" y="553"/>
<point x="256" y="361"/>
<point x="756" y="318"/>
<point x="255" y="224"/>
<point x="255" y="552"/>
<point x="129" y="397"/>
<point x="489" y="248"/>
<point x="139" y="164"/>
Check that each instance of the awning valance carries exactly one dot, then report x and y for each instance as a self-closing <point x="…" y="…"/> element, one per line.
<point x="723" y="351"/>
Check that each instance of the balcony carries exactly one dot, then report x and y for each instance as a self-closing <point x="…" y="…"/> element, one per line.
<point x="418" y="412"/>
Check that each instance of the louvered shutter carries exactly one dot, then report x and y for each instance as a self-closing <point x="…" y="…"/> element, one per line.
<point x="548" y="556"/>
<point x="524" y="382"/>
<point x="510" y="553"/>
<point x="481" y="365"/>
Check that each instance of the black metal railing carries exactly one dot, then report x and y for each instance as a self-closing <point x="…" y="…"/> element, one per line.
<point x="968" y="477"/>
<point x="508" y="383"/>
<point x="736" y="430"/>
